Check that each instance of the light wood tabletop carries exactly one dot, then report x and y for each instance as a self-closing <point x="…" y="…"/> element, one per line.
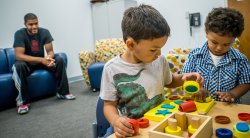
<point x="219" y="108"/>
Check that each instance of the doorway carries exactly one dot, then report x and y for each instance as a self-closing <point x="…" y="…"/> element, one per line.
<point x="244" y="7"/>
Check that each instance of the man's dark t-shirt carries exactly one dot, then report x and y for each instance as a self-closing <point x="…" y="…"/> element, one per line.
<point x="33" y="44"/>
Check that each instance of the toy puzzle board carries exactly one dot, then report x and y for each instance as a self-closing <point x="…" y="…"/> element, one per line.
<point x="151" y="114"/>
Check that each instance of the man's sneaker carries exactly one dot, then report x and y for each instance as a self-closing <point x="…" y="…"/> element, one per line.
<point x="23" y="109"/>
<point x="66" y="97"/>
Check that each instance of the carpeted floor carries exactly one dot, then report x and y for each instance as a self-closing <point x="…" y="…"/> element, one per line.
<point x="52" y="118"/>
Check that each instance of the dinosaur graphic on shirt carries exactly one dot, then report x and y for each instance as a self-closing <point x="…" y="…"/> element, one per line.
<point x="133" y="101"/>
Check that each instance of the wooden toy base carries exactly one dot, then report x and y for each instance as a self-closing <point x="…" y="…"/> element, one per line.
<point x="205" y="130"/>
<point x="202" y="108"/>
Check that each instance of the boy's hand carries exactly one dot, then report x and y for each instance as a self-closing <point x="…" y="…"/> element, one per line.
<point x="193" y="76"/>
<point x="226" y="96"/>
<point x="122" y="127"/>
<point x="200" y="96"/>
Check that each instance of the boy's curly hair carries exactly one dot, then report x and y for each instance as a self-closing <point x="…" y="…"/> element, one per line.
<point x="144" y="22"/>
<point x="225" y="22"/>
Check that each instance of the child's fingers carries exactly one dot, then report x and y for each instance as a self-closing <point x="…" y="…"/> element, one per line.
<point x="127" y="127"/>
<point x="118" y="135"/>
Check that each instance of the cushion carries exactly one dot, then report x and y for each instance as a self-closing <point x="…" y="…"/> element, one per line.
<point x="106" y="49"/>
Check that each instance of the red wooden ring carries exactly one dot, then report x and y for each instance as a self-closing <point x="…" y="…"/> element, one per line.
<point x="135" y="125"/>
<point x="244" y="116"/>
<point x="143" y="122"/>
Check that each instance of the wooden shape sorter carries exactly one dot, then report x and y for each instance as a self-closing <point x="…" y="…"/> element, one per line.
<point x="168" y="128"/>
<point x="166" y="108"/>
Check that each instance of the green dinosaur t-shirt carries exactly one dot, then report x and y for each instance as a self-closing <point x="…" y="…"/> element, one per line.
<point x="136" y="87"/>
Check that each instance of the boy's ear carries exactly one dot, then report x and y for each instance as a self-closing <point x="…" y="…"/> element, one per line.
<point x="130" y="43"/>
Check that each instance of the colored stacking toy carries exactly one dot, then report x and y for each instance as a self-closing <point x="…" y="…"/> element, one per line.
<point x="139" y="123"/>
<point x="135" y="125"/>
<point x="172" y="127"/>
<point x="241" y="130"/>
<point x="188" y="106"/>
<point x="191" y="87"/>
<point x="143" y="122"/>
<point x="244" y="116"/>
<point x="224" y="133"/>
<point x="194" y="125"/>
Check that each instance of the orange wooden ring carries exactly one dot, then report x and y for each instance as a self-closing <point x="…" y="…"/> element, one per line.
<point x="143" y="122"/>
<point x="135" y="126"/>
<point x="221" y="119"/>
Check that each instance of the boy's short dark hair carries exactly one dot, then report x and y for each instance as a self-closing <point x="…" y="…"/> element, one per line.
<point x="225" y="22"/>
<point x="144" y="22"/>
<point x="29" y="16"/>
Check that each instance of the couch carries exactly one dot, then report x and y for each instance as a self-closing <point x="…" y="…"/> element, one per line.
<point x="41" y="83"/>
<point x="92" y="62"/>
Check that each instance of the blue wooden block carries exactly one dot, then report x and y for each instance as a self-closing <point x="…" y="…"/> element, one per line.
<point x="168" y="106"/>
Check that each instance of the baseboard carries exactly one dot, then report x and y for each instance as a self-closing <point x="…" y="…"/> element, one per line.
<point x="75" y="78"/>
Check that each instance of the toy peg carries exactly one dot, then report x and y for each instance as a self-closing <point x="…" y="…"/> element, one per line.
<point x="194" y="125"/>
<point x="181" y="120"/>
<point x="172" y="123"/>
<point x="195" y="122"/>
<point x="172" y="127"/>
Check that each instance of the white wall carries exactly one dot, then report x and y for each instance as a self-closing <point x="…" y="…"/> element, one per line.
<point x="69" y="22"/>
<point x="174" y="12"/>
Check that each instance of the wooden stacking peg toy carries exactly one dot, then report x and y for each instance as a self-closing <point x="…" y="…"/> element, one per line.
<point x="241" y="130"/>
<point x="194" y="125"/>
<point x="181" y="120"/>
<point x="172" y="127"/>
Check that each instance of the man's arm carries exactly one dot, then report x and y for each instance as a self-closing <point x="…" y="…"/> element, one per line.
<point x="20" y="55"/>
<point x="49" y="50"/>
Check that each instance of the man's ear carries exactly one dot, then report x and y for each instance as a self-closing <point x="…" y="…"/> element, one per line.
<point x="24" y="24"/>
<point x="130" y="42"/>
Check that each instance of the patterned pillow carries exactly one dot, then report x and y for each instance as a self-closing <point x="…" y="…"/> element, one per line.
<point x="106" y="49"/>
<point x="86" y="58"/>
<point x="176" y="62"/>
<point x="236" y="44"/>
<point x="180" y="51"/>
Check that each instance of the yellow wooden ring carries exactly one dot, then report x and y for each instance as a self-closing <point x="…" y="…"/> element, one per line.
<point x="191" y="130"/>
<point x="176" y="132"/>
<point x="191" y="87"/>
